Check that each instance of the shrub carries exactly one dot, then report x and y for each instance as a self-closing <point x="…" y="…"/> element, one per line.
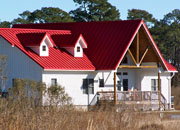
<point x="57" y="95"/>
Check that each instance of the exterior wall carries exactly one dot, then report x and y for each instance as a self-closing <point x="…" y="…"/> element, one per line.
<point x="139" y="79"/>
<point x="109" y="79"/>
<point x="19" y="65"/>
<point x="145" y="77"/>
<point x="78" y="54"/>
<point x="72" y="82"/>
<point x="73" y="51"/>
<point x="44" y="53"/>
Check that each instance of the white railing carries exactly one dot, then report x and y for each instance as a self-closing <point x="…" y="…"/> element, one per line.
<point x="152" y="96"/>
<point x="130" y="95"/>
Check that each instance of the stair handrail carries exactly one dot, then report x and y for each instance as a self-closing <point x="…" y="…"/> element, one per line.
<point x="163" y="101"/>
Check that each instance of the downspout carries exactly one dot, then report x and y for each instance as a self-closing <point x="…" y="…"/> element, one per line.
<point x="169" y="87"/>
<point x="172" y="75"/>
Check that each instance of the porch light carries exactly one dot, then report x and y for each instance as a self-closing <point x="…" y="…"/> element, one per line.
<point x="137" y="64"/>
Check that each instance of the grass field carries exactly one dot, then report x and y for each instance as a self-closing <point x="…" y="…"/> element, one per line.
<point x="22" y="116"/>
<point x="20" y="113"/>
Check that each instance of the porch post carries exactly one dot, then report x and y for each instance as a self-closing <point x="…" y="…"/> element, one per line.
<point x="137" y="51"/>
<point x="159" y="88"/>
<point x="115" y="96"/>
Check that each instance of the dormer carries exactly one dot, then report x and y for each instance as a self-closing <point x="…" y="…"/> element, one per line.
<point x="78" y="48"/>
<point x="38" y="42"/>
<point x="74" y="44"/>
<point x="44" y="46"/>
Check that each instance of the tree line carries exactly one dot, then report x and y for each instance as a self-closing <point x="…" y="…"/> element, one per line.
<point x="166" y="31"/>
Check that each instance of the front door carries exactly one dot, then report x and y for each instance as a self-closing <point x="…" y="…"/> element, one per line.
<point x="122" y="83"/>
<point x="125" y="84"/>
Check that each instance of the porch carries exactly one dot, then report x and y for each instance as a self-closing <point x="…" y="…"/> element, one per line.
<point x="148" y="100"/>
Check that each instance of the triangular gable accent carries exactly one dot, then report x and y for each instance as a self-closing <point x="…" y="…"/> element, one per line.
<point x="47" y="40"/>
<point x="152" y="41"/>
<point x="154" y="44"/>
<point x="130" y="42"/>
<point x="82" y="41"/>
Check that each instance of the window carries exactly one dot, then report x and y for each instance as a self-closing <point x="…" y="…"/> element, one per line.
<point x="78" y="49"/>
<point x="2" y="83"/>
<point x="119" y="85"/>
<point x="154" y="84"/>
<point x="88" y="86"/>
<point x="54" y="82"/>
<point x="125" y="73"/>
<point x="118" y="73"/>
<point x="44" y="48"/>
<point x="101" y="82"/>
<point x="13" y="82"/>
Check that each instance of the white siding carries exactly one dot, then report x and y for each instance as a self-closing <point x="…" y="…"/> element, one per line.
<point x="19" y="65"/>
<point x="72" y="81"/>
<point x="44" y="53"/>
<point x="73" y="50"/>
<point x="78" y="54"/>
<point x="145" y="77"/>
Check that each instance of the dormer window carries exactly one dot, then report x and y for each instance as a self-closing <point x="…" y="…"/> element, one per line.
<point x="44" y="48"/>
<point x="38" y="42"/>
<point x="73" y="43"/>
<point x="78" y="49"/>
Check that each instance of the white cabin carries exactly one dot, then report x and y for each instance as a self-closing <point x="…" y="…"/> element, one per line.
<point x="115" y="60"/>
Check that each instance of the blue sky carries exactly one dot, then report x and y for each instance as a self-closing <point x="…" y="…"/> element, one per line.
<point x="9" y="9"/>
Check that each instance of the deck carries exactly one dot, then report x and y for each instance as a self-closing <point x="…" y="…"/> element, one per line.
<point x="141" y="98"/>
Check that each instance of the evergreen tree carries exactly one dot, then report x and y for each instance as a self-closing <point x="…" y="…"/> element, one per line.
<point x="95" y="10"/>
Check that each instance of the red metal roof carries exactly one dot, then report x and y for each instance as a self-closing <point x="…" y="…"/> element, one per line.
<point x="107" y="41"/>
<point x="170" y="67"/>
<point x="30" y="39"/>
<point x="57" y="59"/>
<point x="67" y="40"/>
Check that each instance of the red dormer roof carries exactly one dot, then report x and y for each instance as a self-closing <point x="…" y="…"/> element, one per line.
<point x="66" y="41"/>
<point x="31" y="39"/>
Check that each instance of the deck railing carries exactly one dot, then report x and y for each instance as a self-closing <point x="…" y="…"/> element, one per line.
<point x="152" y="96"/>
<point x="129" y="95"/>
<point x="149" y="96"/>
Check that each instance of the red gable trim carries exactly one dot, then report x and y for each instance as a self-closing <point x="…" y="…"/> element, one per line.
<point x="131" y="40"/>
<point x="157" y="49"/>
<point x="170" y="68"/>
<point x="48" y="38"/>
<point x="43" y="39"/>
<point x="85" y="43"/>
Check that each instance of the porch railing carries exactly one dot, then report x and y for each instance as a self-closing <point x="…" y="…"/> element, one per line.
<point x="129" y="95"/>
<point x="152" y="96"/>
